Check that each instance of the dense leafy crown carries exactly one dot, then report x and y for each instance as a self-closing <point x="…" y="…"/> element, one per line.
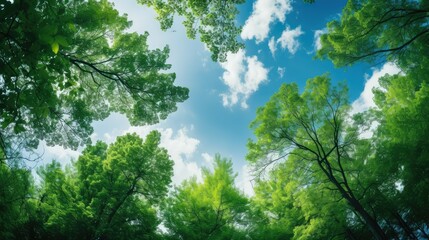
<point x="65" y="64"/>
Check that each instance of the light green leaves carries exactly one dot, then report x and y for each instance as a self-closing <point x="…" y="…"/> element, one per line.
<point x="55" y="47"/>
<point x="213" y="209"/>
<point x="107" y="186"/>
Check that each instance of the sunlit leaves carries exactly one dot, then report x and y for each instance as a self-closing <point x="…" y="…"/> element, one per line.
<point x="376" y="31"/>
<point x="212" y="209"/>
<point x="110" y="191"/>
<point x="213" y="21"/>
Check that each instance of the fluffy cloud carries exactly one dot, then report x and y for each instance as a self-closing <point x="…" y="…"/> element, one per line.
<point x="207" y="158"/>
<point x="58" y="153"/>
<point x="242" y="75"/>
<point x="317" y="43"/>
<point x="264" y="13"/>
<point x="180" y="147"/>
<point x="365" y="100"/>
<point x="289" y="39"/>
<point x="245" y="181"/>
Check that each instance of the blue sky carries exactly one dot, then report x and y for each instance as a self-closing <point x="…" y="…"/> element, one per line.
<point x="280" y="38"/>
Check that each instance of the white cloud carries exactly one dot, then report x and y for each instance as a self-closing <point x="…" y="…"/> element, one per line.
<point x="207" y="158"/>
<point x="264" y="13"/>
<point x="244" y="181"/>
<point x="365" y="100"/>
<point x="48" y="153"/>
<point x="289" y="40"/>
<point x="317" y="43"/>
<point x="61" y="154"/>
<point x="180" y="147"/>
<point x="109" y="138"/>
<point x="272" y="46"/>
<point x="281" y="71"/>
<point x="242" y="75"/>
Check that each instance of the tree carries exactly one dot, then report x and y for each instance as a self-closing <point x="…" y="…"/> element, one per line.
<point x="395" y="31"/>
<point x="213" y="20"/>
<point x="65" y="64"/>
<point x="212" y="209"/>
<point x="375" y="31"/>
<point x="15" y="190"/>
<point x="312" y="126"/>
<point x="295" y="203"/>
<point x="110" y="194"/>
<point x="400" y="152"/>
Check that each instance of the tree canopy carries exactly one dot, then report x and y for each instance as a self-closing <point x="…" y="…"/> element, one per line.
<point x="312" y="127"/>
<point x="212" y="209"/>
<point x="374" y="31"/>
<point x="322" y="171"/>
<point x="109" y="193"/>
<point x="65" y="64"/>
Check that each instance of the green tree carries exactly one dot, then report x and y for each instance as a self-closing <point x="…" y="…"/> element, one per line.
<point x="134" y="174"/>
<point x="212" y="209"/>
<point x="373" y="30"/>
<point x="312" y="126"/>
<point x="16" y="189"/>
<point x="60" y="213"/>
<point x="400" y="152"/>
<point x="395" y="31"/>
<point x="110" y="193"/>
<point x="213" y="20"/>
<point x="294" y="203"/>
<point x="65" y="64"/>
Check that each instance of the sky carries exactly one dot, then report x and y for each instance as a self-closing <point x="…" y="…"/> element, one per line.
<point x="280" y="37"/>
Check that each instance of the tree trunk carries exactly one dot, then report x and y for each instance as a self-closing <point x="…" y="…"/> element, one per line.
<point x="369" y="220"/>
<point x="405" y="226"/>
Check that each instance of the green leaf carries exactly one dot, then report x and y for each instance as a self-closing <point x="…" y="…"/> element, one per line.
<point x="55" y="47"/>
<point x="19" y="128"/>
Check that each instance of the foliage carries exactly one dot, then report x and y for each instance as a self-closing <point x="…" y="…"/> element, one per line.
<point x="294" y="207"/>
<point x="395" y="31"/>
<point x="401" y="155"/>
<point x="212" y="209"/>
<point x="213" y="20"/>
<point x="15" y="189"/>
<point x="312" y="127"/>
<point x="110" y="193"/>
<point x="65" y="64"/>
<point x="373" y="30"/>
